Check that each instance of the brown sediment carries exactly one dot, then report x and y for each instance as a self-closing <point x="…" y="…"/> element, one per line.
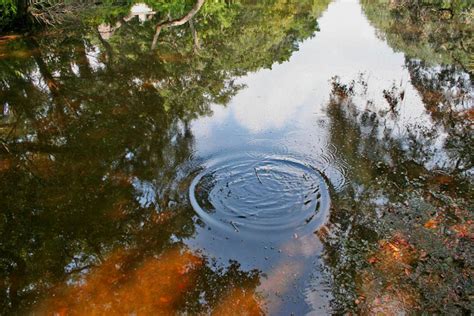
<point x="239" y="302"/>
<point x="117" y="288"/>
<point x="378" y="287"/>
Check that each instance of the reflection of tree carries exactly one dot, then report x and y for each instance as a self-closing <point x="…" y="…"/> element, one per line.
<point x="94" y="136"/>
<point x="448" y="96"/>
<point x="435" y="31"/>
<point x="398" y="235"/>
<point x="438" y="33"/>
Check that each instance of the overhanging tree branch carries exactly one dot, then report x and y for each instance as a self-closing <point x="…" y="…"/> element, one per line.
<point x="195" y="9"/>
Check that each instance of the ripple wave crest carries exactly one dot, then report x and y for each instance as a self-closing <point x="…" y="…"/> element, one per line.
<point x="260" y="196"/>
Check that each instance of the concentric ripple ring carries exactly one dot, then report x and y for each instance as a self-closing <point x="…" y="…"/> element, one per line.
<point x="260" y="196"/>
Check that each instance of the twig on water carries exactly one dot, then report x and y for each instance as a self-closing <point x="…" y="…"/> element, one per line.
<point x="256" y="173"/>
<point x="235" y="226"/>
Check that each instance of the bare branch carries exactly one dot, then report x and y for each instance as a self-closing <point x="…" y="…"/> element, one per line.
<point x="195" y="9"/>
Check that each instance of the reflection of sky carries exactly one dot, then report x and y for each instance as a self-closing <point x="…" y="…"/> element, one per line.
<point x="291" y="96"/>
<point x="285" y="108"/>
<point x="145" y="193"/>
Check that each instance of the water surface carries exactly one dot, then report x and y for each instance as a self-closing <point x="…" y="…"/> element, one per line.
<point x="276" y="158"/>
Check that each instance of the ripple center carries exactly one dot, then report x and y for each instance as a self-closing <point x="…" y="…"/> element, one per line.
<point x="260" y="196"/>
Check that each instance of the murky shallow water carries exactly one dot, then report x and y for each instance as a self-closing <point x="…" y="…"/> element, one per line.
<point x="251" y="165"/>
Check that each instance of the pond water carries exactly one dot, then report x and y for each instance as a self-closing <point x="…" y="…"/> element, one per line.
<point x="308" y="157"/>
